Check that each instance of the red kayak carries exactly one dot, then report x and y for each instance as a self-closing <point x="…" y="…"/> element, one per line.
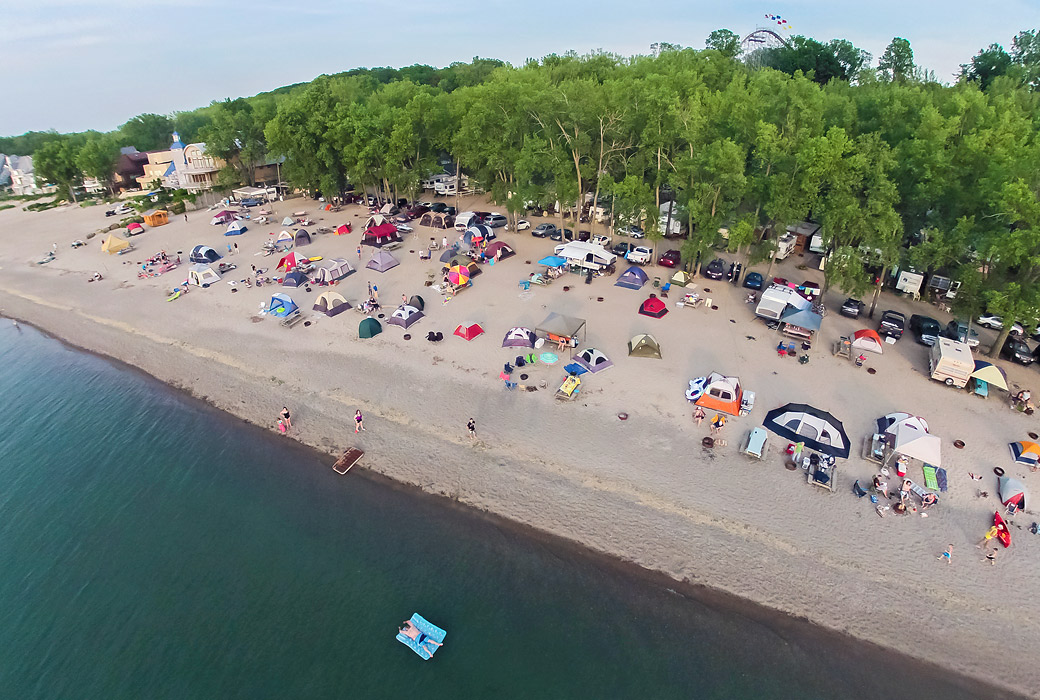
<point x="1003" y="534"/>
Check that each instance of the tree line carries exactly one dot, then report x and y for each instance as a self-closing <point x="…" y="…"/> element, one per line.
<point x="899" y="169"/>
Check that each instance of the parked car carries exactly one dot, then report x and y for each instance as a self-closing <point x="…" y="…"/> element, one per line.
<point x="997" y="323"/>
<point x="523" y="225"/>
<point x="544" y="231"/>
<point x="632" y="231"/>
<point x="404" y="228"/>
<point x="892" y="324"/>
<point x="852" y="308"/>
<point x="754" y="280"/>
<point x="584" y="235"/>
<point x="439" y="208"/>
<point x="417" y="211"/>
<point x="1016" y="351"/>
<point x="451" y="211"/>
<point x="671" y="258"/>
<point x="926" y="329"/>
<point x="252" y="202"/>
<point x="639" y="255"/>
<point x="495" y="220"/>
<point x="562" y="235"/>
<point x="958" y="330"/>
<point x="600" y="239"/>
<point x="621" y="249"/>
<point x="715" y="270"/>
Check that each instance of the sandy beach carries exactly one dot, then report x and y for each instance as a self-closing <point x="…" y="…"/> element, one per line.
<point x="644" y="489"/>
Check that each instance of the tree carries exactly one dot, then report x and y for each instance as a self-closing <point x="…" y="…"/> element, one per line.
<point x="810" y="57"/>
<point x="725" y="42"/>
<point x="897" y="63"/>
<point x="987" y="65"/>
<point x="235" y="134"/>
<point x="55" y="162"/>
<point x="148" y="132"/>
<point x="97" y="158"/>
<point x="851" y="59"/>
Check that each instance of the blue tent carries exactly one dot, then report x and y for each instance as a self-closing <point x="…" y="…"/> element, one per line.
<point x="632" y="278"/>
<point x="281" y="305"/>
<point x="553" y="261"/>
<point x="235" y="228"/>
<point x="294" y="279"/>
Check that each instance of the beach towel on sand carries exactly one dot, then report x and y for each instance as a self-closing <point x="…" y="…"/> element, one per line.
<point x="940" y="475"/>
<point x="929" y="477"/>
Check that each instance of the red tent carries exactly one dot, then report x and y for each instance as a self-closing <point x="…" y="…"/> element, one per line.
<point x="653" y="307"/>
<point x="469" y="332"/>
<point x="343" y="230"/>
<point x="289" y="262"/>
<point x="379" y="234"/>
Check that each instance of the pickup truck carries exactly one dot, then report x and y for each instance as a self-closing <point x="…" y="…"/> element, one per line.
<point x="892" y="324"/>
<point x="640" y="255"/>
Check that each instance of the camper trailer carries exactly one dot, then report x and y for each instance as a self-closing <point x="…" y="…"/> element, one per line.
<point x="586" y="255"/>
<point x="785" y="246"/>
<point x="674" y="225"/>
<point x="773" y="302"/>
<point x="950" y="361"/>
<point x="430" y="183"/>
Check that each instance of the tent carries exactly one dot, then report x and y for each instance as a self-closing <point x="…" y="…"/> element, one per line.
<point x="301" y="238"/>
<point x="721" y="393"/>
<point x="1012" y="492"/>
<point x="380" y="235"/>
<point x="113" y="244"/>
<point x="911" y="438"/>
<point x="284" y="238"/>
<point x="134" y="228"/>
<point x="991" y="374"/>
<point x="559" y="327"/>
<point x="281" y="305"/>
<point x="287" y="221"/>
<point x="294" y="278"/>
<point x="475" y="234"/>
<point x="343" y="230"/>
<point x="803" y="318"/>
<point x="202" y="275"/>
<point x="387" y="209"/>
<point x="333" y="270"/>
<point x="519" y="337"/>
<point x="682" y="278"/>
<point x="885" y="422"/>
<point x="469" y="332"/>
<point x="816" y="429"/>
<point x="593" y="360"/>
<point x="331" y="303"/>
<point x="435" y="220"/>
<point x="1025" y="452"/>
<point x="449" y="253"/>
<point x="653" y="307"/>
<point x="290" y="261"/>
<point x="382" y="261"/>
<point x="499" y="250"/>
<point x="369" y="327"/>
<point x="632" y="278"/>
<point x="223" y="217"/>
<point x="553" y="261"/>
<point x="417" y="301"/>
<point x="644" y="345"/>
<point x="866" y="340"/>
<point x="404" y="316"/>
<point x="203" y="254"/>
<point x="235" y="228"/>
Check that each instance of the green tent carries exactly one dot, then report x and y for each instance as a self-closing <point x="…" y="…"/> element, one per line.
<point x="369" y="328"/>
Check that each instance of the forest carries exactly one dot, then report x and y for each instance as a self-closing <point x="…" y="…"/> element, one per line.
<point x="900" y="169"/>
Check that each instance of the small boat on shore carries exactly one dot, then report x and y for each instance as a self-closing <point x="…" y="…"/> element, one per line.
<point x="347" y="460"/>
<point x="421" y="636"/>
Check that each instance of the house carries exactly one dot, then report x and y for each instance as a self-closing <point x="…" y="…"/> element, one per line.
<point x="23" y="178"/>
<point x="268" y="172"/>
<point x="181" y="166"/>
<point x="129" y="167"/>
<point x="5" y="172"/>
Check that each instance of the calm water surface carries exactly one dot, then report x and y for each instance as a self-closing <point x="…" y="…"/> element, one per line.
<point x="151" y="547"/>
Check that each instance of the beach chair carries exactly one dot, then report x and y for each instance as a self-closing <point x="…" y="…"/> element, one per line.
<point x="757" y="443"/>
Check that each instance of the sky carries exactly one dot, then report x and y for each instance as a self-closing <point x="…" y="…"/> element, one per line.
<point x="73" y="65"/>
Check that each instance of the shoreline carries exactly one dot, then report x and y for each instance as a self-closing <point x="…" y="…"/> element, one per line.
<point x="643" y="491"/>
<point x="794" y="629"/>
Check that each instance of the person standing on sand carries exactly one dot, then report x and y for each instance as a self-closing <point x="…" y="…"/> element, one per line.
<point x="948" y="554"/>
<point x="185" y="218"/>
<point x="444" y="242"/>
<point x="359" y="252"/>
<point x="236" y="248"/>
<point x="286" y="417"/>
<point x="472" y="428"/>
<point x="359" y="421"/>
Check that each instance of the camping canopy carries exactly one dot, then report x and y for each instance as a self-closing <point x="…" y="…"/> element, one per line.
<point x="203" y="254"/>
<point x="369" y="327"/>
<point x="331" y="303"/>
<point x="382" y="261"/>
<point x="721" y="393"/>
<point x="866" y="340"/>
<point x="519" y="337"/>
<point x="113" y="244"/>
<point x="301" y="238"/>
<point x="593" y="360"/>
<point x="404" y="316"/>
<point x="991" y="374"/>
<point x="816" y="429"/>
<point x="632" y="278"/>
<point x="1025" y="452"/>
<point x="803" y="318"/>
<point x="281" y="305"/>
<point x="235" y="228"/>
<point x="644" y="345"/>
<point x="202" y="275"/>
<point x="653" y="307"/>
<point x="469" y="332"/>
<point x="911" y="438"/>
<point x="294" y="279"/>
<point x="559" y="326"/>
<point x="553" y="261"/>
<point x="1012" y="491"/>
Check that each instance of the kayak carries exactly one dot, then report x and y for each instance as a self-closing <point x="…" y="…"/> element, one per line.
<point x="1003" y="534"/>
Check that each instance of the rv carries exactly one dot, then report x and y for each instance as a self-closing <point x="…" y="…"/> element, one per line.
<point x="674" y="225"/>
<point x="774" y="301"/>
<point x="430" y="183"/>
<point x="950" y="362"/>
<point x="586" y="255"/>
<point x="785" y="246"/>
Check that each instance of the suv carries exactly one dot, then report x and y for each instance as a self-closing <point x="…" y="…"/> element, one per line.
<point x="495" y="220"/>
<point x="851" y="308"/>
<point x="600" y="239"/>
<point x="925" y="329"/>
<point x="543" y="230"/>
<point x="996" y="323"/>
<point x="892" y="324"/>
<point x="621" y="249"/>
<point x="958" y="330"/>
<point x="562" y="235"/>
<point x="1017" y="351"/>
<point x="671" y="258"/>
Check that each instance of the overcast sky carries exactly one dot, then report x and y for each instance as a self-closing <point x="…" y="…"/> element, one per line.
<point x="73" y="65"/>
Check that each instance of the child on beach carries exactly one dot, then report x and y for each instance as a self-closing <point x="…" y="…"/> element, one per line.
<point x="281" y="426"/>
<point x="947" y="555"/>
<point x="472" y="428"/>
<point x="358" y="421"/>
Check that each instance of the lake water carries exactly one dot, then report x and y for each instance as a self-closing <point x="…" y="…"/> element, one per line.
<point x="152" y="547"/>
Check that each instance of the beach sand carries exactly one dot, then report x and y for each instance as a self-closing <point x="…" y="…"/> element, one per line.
<point x="644" y="489"/>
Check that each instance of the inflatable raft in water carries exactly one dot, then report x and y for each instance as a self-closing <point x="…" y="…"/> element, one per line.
<point x="422" y="637"/>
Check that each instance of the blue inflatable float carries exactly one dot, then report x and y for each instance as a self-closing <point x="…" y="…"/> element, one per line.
<point x="422" y="637"/>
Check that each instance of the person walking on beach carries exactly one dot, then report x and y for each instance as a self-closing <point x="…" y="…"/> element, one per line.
<point x="359" y="252"/>
<point x="236" y="248"/>
<point x="229" y="249"/>
<point x="359" y="421"/>
<point x="698" y="415"/>
<point x="444" y="242"/>
<point x="286" y="417"/>
<point x="472" y="428"/>
<point x="185" y="218"/>
<point x="948" y="554"/>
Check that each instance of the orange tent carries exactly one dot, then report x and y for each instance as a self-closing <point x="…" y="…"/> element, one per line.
<point x="721" y="394"/>
<point x="867" y="340"/>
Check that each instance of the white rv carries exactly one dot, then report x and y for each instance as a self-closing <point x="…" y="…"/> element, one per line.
<point x="674" y="226"/>
<point x="587" y="255"/>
